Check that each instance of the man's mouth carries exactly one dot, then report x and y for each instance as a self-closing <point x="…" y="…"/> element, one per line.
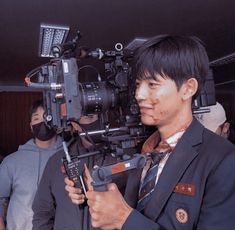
<point x="144" y="110"/>
<point x="145" y="106"/>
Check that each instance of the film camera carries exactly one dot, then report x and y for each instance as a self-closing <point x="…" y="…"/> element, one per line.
<point x="67" y="99"/>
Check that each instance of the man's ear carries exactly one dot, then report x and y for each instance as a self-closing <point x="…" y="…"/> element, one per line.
<point x="189" y="88"/>
<point x="225" y="130"/>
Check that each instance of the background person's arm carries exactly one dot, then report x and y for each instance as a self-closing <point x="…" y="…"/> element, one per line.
<point x="5" y="189"/>
<point x="2" y="224"/>
<point x="43" y="204"/>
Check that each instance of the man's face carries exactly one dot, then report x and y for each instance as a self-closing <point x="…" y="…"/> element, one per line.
<point x="159" y="100"/>
<point x="83" y="121"/>
<point x="37" y="117"/>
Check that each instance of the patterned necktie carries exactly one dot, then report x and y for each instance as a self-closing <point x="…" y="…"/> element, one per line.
<point x="148" y="184"/>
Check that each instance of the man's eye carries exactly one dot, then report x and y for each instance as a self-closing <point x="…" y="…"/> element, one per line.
<point x="36" y="119"/>
<point x="137" y="84"/>
<point x="153" y="84"/>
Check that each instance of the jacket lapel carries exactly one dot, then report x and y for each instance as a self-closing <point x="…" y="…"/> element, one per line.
<point x="180" y="158"/>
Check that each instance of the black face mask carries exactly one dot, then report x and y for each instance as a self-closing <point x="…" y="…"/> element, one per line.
<point x="43" y="132"/>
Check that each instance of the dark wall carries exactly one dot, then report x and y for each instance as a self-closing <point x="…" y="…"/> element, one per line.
<point x="15" y="119"/>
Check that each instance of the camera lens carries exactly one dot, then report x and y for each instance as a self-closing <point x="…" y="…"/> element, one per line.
<point x="97" y="97"/>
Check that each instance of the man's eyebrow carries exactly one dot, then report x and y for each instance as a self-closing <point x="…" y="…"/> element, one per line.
<point x="152" y="79"/>
<point x="146" y="77"/>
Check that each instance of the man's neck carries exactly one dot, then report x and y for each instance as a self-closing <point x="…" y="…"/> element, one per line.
<point x="175" y="126"/>
<point x="45" y="144"/>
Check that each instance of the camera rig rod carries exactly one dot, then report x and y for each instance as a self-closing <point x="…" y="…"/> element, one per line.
<point x="103" y="131"/>
<point x="49" y="86"/>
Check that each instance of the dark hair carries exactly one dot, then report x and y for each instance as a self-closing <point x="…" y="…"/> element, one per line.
<point x="176" y="57"/>
<point x="35" y="106"/>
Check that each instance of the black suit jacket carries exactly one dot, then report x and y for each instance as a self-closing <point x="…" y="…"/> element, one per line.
<point x="196" y="189"/>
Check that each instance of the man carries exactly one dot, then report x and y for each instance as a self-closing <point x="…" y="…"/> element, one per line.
<point x="20" y="172"/>
<point x="215" y="120"/>
<point x="52" y="207"/>
<point x="191" y="189"/>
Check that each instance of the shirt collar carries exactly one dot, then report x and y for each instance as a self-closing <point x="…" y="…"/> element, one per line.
<point x="154" y="141"/>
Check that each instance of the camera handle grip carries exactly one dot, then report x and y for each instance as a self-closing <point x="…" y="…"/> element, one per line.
<point x="102" y="175"/>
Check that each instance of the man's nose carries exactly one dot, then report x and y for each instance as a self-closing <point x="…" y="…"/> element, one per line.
<point x="141" y="92"/>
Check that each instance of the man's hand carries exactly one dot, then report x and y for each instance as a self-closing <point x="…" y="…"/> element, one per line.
<point x="2" y="225"/>
<point x="75" y="194"/>
<point x="108" y="209"/>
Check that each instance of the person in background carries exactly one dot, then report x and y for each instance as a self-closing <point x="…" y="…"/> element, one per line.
<point x="20" y="172"/>
<point x="52" y="207"/>
<point x="188" y="181"/>
<point x="215" y="120"/>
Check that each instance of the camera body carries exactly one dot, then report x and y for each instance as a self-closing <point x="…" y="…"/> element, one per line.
<point x="66" y="99"/>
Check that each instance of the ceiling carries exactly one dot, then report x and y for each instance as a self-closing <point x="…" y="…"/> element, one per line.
<point x="103" y="23"/>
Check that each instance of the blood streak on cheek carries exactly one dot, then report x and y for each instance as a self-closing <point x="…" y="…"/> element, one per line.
<point x="156" y="102"/>
<point x="164" y="113"/>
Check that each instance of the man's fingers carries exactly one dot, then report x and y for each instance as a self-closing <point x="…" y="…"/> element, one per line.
<point x="88" y="178"/>
<point x="75" y="194"/>
<point x="112" y="187"/>
<point x="68" y="182"/>
<point x="73" y="190"/>
<point x="78" y="199"/>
